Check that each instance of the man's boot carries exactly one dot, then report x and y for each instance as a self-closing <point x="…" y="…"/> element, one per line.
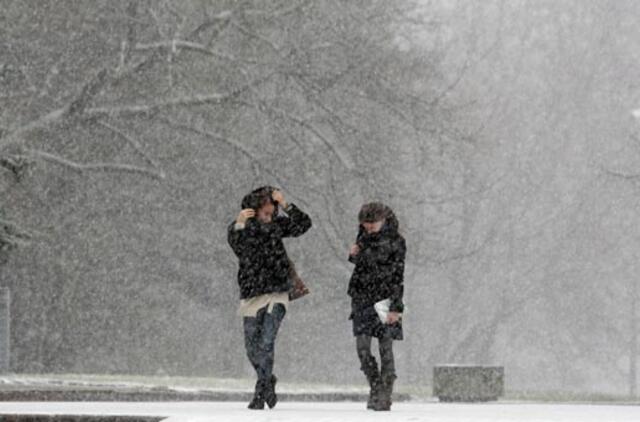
<point x="270" y="396"/>
<point x="386" y="390"/>
<point x="257" y="403"/>
<point x="370" y="369"/>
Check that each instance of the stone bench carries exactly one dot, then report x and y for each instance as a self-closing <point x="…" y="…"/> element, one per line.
<point x="468" y="383"/>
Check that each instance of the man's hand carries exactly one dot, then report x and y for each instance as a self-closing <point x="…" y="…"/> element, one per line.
<point x="355" y="250"/>
<point x="279" y="198"/>
<point x="244" y="215"/>
<point x="393" y="317"/>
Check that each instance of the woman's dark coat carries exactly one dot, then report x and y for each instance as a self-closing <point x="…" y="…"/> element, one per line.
<point x="264" y="265"/>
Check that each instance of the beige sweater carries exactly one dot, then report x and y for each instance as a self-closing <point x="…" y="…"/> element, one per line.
<point x="250" y="307"/>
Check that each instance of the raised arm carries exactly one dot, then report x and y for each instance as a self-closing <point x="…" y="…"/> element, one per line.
<point x="237" y="233"/>
<point x="296" y="223"/>
<point x="354" y="252"/>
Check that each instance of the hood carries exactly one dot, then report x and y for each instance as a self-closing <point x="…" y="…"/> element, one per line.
<point x="391" y="227"/>
<point x="255" y="197"/>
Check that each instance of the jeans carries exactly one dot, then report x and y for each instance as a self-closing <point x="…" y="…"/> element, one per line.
<point x="260" y="338"/>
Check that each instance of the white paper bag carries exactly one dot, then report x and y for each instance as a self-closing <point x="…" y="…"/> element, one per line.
<point x="382" y="308"/>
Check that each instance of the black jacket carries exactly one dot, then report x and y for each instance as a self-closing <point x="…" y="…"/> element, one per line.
<point x="264" y="265"/>
<point x="379" y="270"/>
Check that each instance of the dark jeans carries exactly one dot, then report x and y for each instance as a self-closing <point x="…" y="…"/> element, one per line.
<point x="368" y="361"/>
<point x="260" y="338"/>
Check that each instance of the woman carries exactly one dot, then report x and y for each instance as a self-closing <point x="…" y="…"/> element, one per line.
<point x="263" y="277"/>
<point x="376" y="290"/>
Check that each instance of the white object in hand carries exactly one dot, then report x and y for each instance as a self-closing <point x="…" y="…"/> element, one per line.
<point x="382" y="308"/>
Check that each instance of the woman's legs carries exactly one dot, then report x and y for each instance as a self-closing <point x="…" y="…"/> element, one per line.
<point x="380" y="381"/>
<point x="363" y="347"/>
<point x="387" y="372"/>
<point x="267" y="343"/>
<point x="388" y="367"/>
<point x="369" y="366"/>
<point x="260" y="336"/>
<point x="252" y="334"/>
<point x="259" y="339"/>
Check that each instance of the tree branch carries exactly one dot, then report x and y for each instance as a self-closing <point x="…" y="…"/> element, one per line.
<point x="620" y="175"/>
<point x="222" y="17"/>
<point x="148" y="108"/>
<point x="134" y="143"/>
<point x="89" y="90"/>
<point x="12" y="234"/>
<point x="234" y="143"/>
<point x="257" y="36"/>
<point x="213" y="98"/>
<point x="12" y="225"/>
<point x="271" y="14"/>
<point x="75" y="107"/>
<point x="105" y="167"/>
<point x="59" y="114"/>
<point x="191" y="46"/>
<point x="344" y="157"/>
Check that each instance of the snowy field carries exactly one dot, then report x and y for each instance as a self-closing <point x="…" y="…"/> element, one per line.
<point x="339" y="412"/>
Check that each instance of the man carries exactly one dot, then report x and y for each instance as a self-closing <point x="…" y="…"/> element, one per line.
<point x="263" y="277"/>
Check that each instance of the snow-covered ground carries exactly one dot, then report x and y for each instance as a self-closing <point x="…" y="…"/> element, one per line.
<point x="181" y="384"/>
<point x="339" y="412"/>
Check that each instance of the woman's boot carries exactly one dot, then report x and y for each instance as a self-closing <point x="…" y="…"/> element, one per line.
<point x="370" y="369"/>
<point x="270" y="396"/>
<point x="257" y="403"/>
<point x="386" y="390"/>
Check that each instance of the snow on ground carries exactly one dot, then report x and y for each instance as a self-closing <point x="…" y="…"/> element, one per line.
<point x="338" y="412"/>
<point x="180" y="384"/>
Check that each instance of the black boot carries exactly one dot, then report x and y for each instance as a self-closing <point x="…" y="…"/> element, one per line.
<point x="374" y="393"/>
<point x="370" y="369"/>
<point x="270" y="395"/>
<point x="257" y="403"/>
<point x="386" y="390"/>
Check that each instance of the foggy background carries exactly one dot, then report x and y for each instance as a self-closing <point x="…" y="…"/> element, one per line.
<point x="500" y="132"/>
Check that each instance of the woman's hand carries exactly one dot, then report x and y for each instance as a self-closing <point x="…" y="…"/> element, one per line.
<point x="393" y="317"/>
<point x="245" y="214"/>
<point x="355" y="250"/>
<point x="278" y="196"/>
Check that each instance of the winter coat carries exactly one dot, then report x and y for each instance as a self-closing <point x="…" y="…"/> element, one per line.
<point x="263" y="261"/>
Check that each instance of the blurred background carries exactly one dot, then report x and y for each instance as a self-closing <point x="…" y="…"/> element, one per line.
<point x="501" y="132"/>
